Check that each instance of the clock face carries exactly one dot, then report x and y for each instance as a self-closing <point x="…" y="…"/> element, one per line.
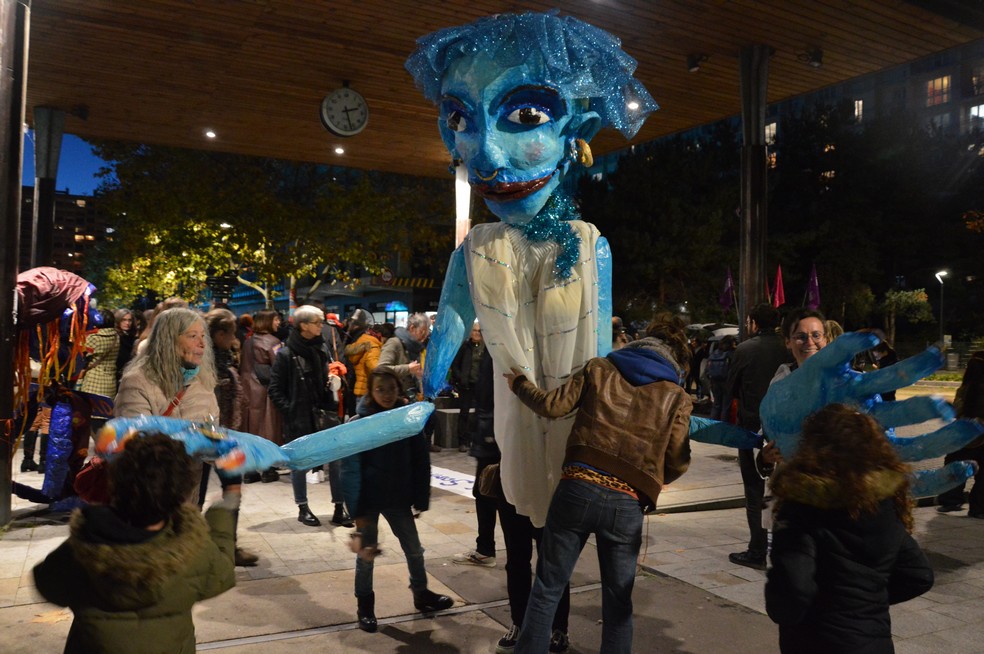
<point x="344" y="112"/>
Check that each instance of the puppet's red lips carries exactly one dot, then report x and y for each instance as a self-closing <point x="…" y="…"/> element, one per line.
<point x="505" y="191"/>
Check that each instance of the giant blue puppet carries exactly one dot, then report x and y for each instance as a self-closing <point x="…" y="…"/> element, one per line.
<point x="520" y="97"/>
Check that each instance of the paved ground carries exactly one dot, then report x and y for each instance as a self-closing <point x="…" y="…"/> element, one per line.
<point x="689" y="598"/>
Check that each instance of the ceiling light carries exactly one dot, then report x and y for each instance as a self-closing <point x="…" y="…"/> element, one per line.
<point x="694" y="61"/>
<point x="339" y="150"/>
<point x="813" y="57"/>
<point x="633" y="105"/>
<point x="210" y="134"/>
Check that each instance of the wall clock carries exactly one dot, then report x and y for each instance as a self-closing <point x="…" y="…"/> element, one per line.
<point x="344" y="112"/>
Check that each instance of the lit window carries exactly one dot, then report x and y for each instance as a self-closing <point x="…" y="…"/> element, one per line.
<point x="858" y="110"/>
<point x="938" y="91"/>
<point x="977" y="112"/>
<point x="828" y="174"/>
<point x="830" y="147"/>
<point x="79" y="237"/>
<point x="770" y="133"/>
<point x="771" y="158"/>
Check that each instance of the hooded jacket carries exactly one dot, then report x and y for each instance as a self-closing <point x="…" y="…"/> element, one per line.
<point x="363" y="355"/>
<point x="132" y="590"/>
<point x="833" y="577"/>
<point x="633" y="416"/>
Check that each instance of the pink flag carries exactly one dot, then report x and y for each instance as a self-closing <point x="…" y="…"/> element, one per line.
<point x="813" y="290"/>
<point x="779" y="295"/>
<point x="726" y="299"/>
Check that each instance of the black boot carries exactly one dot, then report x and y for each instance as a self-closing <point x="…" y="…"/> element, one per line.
<point x="367" y="613"/>
<point x="304" y="515"/>
<point x="242" y="557"/>
<point x="340" y="517"/>
<point x="427" y="601"/>
<point x="28" y="464"/>
<point x="42" y="453"/>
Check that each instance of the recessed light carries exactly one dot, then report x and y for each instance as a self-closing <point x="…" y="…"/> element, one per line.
<point x="210" y="134"/>
<point x="633" y="105"/>
<point x="339" y="150"/>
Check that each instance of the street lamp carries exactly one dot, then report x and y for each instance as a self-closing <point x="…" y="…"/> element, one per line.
<point x="939" y="277"/>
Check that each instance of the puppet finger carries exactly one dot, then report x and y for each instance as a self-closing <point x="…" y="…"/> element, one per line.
<point x="912" y="411"/>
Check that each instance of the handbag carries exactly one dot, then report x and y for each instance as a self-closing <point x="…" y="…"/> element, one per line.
<point x="322" y="418"/>
<point x="325" y="419"/>
<point x="489" y="482"/>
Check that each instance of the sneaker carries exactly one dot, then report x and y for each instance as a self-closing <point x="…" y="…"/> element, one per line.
<point x="559" y="641"/>
<point x="748" y="559"/>
<point x="507" y="643"/>
<point x="435" y="448"/>
<point x="474" y="558"/>
<point x="321" y="476"/>
<point x="269" y="476"/>
<point x="312" y="477"/>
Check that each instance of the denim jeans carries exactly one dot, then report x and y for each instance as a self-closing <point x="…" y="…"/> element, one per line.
<point x="578" y="509"/>
<point x="401" y="522"/>
<point x="299" y="483"/>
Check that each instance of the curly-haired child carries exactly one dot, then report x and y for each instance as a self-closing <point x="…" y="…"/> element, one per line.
<point x="841" y="549"/>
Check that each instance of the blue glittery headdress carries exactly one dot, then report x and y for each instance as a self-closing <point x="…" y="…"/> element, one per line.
<point x="580" y="58"/>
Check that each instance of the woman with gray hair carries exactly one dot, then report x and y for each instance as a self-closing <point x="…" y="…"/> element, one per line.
<point x="299" y="388"/>
<point x="174" y="375"/>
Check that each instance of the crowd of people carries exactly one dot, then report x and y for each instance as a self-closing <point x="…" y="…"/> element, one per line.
<point x="281" y="380"/>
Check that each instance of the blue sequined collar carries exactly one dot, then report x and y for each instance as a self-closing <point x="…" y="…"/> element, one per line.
<point x="553" y="224"/>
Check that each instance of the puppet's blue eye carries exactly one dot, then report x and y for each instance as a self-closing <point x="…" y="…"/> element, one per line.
<point x="529" y="116"/>
<point x="456" y="121"/>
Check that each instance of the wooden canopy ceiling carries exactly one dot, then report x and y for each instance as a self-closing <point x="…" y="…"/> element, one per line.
<point x="255" y="71"/>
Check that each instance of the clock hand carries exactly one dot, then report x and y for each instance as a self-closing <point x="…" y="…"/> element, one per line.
<point x="348" y="118"/>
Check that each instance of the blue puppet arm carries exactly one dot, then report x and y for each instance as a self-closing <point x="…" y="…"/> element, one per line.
<point x="455" y="315"/>
<point x="713" y="432"/>
<point x="603" y="255"/>
<point x="357" y="436"/>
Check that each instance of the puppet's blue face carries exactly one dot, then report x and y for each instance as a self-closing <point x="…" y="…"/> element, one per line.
<point x="512" y="130"/>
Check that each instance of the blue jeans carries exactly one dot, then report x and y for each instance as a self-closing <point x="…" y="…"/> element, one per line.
<point x="578" y="509"/>
<point x="401" y="522"/>
<point x="299" y="483"/>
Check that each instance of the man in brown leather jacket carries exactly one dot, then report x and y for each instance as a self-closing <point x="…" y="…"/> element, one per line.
<point x="629" y="439"/>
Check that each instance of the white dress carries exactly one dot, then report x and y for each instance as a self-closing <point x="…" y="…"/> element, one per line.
<point x="547" y="327"/>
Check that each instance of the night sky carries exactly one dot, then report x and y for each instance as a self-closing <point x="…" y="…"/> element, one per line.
<point x="76" y="168"/>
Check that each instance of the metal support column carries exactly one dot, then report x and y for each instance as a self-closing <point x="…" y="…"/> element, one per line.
<point x="754" y="183"/>
<point x="49" y="127"/>
<point x="14" y="21"/>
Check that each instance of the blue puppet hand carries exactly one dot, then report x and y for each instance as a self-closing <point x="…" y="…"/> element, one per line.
<point x="232" y="451"/>
<point x="827" y="378"/>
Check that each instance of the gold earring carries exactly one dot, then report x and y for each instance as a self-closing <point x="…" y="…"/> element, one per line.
<point x="584" y="153"/>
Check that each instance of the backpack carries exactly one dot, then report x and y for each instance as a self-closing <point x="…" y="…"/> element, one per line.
<point x="717" y="365"/>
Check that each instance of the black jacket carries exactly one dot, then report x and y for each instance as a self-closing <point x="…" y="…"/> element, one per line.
<point x="387" y="477"/>
<point x="297" y="387"/>
<point x="833" y="578"/>
<point x="753" y="366"/>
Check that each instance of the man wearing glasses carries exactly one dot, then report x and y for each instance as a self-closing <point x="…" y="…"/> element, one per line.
<point x="754" y="364"/>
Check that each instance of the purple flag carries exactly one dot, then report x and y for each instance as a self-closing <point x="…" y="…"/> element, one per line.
<point x="813" y="290"/>
<point x="726" y="299"/>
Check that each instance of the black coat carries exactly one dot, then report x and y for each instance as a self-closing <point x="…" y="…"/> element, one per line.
<point x="833" y="578"/>
<point x="296" y="397"/>
<point x="391" y="476"/>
